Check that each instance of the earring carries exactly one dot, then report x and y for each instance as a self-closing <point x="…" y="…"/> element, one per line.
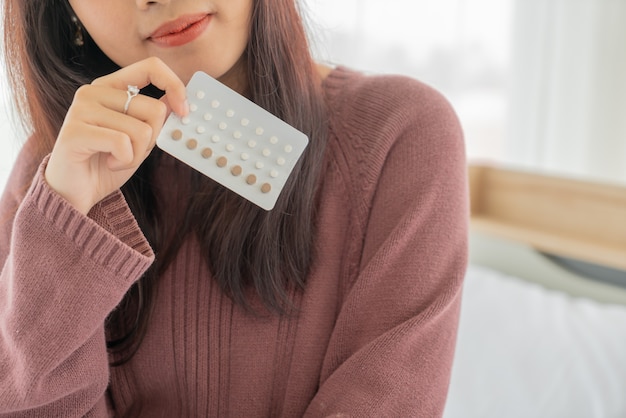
<point x="78" y="35"/>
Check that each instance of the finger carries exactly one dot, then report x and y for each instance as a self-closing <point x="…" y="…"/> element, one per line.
<point x="131" y="139"/>
<point x="87" y="140"/>
<point x="148" y="110"/>
<point x="150" y="71"/>
<point x="142" y="134"/>
<point x="100" y="106"/>
<point x="168" y="108"/>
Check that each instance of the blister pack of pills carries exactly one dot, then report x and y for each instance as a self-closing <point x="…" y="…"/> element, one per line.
<point x="233" y="141"/>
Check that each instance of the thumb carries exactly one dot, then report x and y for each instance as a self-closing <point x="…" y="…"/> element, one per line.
<point x="169" y="108"/>
<point x="167" y="105"/>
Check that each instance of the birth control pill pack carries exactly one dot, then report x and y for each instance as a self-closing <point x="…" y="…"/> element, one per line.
<point x="233" y="141"/>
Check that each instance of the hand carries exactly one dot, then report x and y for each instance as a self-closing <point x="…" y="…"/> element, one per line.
<point x="99" y="147"/>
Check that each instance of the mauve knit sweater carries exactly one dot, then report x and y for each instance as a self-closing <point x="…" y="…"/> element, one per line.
<point x="377" y="322"/>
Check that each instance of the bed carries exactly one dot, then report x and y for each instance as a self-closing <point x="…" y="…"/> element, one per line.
<point x="543" y="322"/>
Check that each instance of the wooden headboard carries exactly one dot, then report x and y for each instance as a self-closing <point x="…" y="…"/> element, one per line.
<point x="566" y="217"/>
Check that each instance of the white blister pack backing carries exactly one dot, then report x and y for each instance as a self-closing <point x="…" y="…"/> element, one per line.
<point x="233" y="141"/>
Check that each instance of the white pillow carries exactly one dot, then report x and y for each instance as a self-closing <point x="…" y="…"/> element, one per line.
<point x="525" y="351"/>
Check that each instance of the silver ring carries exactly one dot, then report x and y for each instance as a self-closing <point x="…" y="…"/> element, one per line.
<point x="131" y="92"/>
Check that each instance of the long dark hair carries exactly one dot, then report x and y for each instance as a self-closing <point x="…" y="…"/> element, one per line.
<point x="244" y="246"/>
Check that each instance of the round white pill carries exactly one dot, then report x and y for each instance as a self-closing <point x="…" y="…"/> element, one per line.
<point x="245" y="122"/>
<point x="215" y="104"/>
<point x="185" y="120"/>
<point x="280" y="161"/>
<point x="266" y="152"/>
<point x="230" y="113"/>
<point x="223" y="126"/>
<point x="274" y="140"/>
<point x="274" y="173"/>
<point x="193" y="107"/>
<point x="200" y="129"/>
<point x="259" y="131"/>
<point x="230" y="147"/>
<point x="208" y="116"/>
<point x="252" y="143"/>
<point x="259" y="165"/>
<point x="200" y="94"/>
<point x="288" y="148"/>
<point x="215" y="138"/>
<point x="237" y="134"/>
<point x="245" y="156"/>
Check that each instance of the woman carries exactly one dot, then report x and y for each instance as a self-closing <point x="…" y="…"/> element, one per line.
<point x="134" y="286"/>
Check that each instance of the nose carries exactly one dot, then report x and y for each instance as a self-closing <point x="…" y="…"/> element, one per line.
<point x="144" y="4"/>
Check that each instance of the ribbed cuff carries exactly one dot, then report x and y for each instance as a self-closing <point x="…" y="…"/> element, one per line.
<point x="109" y="234"/>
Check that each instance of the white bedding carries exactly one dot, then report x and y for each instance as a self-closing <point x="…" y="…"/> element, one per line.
<point x="525" y="351"/>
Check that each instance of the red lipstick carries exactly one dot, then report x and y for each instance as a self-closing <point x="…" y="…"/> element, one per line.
<point x="180" y="31"/>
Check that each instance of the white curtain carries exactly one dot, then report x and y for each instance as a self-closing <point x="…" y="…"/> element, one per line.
<point x="568" y="88"/>
<point x="461" y="47"/>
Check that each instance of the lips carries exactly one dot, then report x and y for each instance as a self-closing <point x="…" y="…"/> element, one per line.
<point x="180" y="31"/>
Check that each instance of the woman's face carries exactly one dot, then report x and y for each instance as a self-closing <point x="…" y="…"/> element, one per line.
<point x="188" y="35"/>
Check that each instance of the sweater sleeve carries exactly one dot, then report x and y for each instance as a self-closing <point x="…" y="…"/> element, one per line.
<point x="63" y="274"/>
<point x="392" y="348"/>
